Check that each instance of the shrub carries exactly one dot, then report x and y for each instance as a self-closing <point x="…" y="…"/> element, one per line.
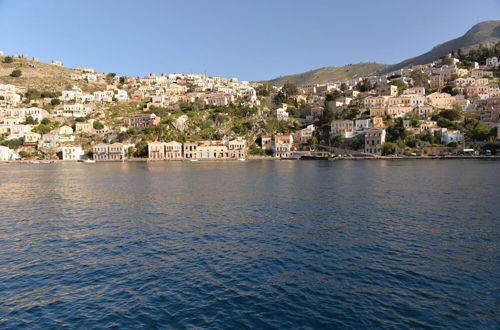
<point x="16" y="73"/>
<point x="388" y="148"/>
<point x="98" y="125"/>
<point x="30" y="121"/>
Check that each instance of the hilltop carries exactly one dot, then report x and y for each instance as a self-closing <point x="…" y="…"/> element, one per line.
<point x="486" y="33"/>
<point x="331" y="73"/>
<point x="42" y="76"/>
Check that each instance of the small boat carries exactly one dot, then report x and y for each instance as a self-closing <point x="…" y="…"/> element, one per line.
<point x="313" y="157"/>
<point x="193" y="160"/>
<point x="35" y="162"/>
<point x="91" y="161"/>
<point x="241" y="159"/>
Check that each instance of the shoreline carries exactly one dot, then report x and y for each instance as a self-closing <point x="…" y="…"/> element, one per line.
<point x="59" y="161"/>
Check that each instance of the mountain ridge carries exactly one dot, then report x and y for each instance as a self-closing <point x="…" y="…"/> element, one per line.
<point x="486" y="33"/>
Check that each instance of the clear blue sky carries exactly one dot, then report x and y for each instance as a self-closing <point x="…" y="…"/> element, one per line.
<point x="252" y="40"/>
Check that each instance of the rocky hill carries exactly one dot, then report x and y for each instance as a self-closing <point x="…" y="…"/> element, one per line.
<point x="41" y="76"/>
<point x="330" y="73"/>
<point x="486" y="33"/>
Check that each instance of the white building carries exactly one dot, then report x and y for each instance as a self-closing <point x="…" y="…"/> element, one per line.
<point x="73" y="153"/>
<point x="492" y="62"/>
<point x="361" y="124"/>
<point x="281" y="114"/>
<point x="448" y="136"/>
<point x="5" y="154"/>
<point x="122" y="95"/>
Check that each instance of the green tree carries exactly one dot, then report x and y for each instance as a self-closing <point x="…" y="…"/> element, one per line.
<point x="451" y="114"/>
<point x="8" y="59"/>
<point x="314" y="142"/>
<point x="13" y="143"/>
<point x="419" y="78"/>
<point x="98" y="125"/>
<point x="364" y="86"/>
<point x="337" y="140"/>
<point x="356" y="143"/>
<point x="33" y="94"/>
<point x="477" y="130"/>
<point x="16" y="73"/>
<point x="130" y="152"/>
<point x="255" y="150"/>
<point x="42" y="129"/>
<point x="396" y="131"/>
<point x="280" y="98"/>
<point x="30" y="121"/>
<point x="55" y="102"/>
<point x="141" y="149"/>
<point x="450" y="90"/>
<point x="389" y="148"/>
<point x="332" y="96"/>
<point x="290" y="89"/>
<point x="263" y="89"/>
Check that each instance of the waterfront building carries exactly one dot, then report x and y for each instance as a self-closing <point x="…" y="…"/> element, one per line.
<point x="374" y="139"/>
<point x="72" y="153"/>
<point x="283" y="145"/>
<point x="190" y="150"/>
<point x="266" y="142"/>
<point x="212" y="150"/>
<point x="5" y="154"/>
<point x="237" y="148"/>
<point x="173" y="150"/>
<point x="450" y="135"/>
<point x="111" y="152"/>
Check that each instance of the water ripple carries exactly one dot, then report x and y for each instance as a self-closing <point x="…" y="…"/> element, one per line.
<point x="250" y="245"/>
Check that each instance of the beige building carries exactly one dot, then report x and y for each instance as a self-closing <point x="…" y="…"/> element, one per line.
<point x="212" y="150"/>
<point x="156" y="150"/>
<point x="190" y="150"/>
<point x="283" y="145"/>
<point x="344" y="128"/>
<point x="142" y="120"/>
<point x="237" y="148"/>
<point x="266" y="142"/>
<point x="441" y="100"/>
<point x="173" y="150"/>
<point x="111" y="152"/>
<point x="86" y="127"/>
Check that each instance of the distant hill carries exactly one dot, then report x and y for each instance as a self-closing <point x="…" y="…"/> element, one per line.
<point x="487" y="33"/>
<point x="330" y="73"/>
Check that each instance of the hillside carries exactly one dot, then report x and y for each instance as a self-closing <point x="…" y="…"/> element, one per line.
<point x="42" y="76"/>
<point x="487" y="33"/>
<point x="331" y="73"/>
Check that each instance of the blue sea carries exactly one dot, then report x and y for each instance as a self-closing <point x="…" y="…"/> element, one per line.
<point x="374" y="244"/>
